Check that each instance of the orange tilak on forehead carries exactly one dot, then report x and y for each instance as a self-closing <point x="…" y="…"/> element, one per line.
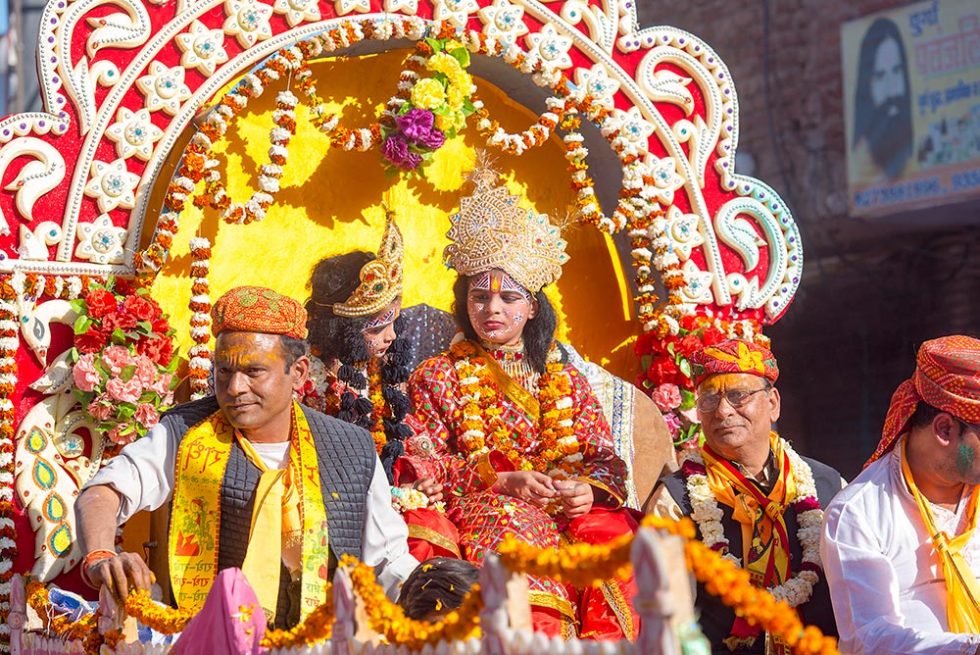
<point x="729" y="381"/>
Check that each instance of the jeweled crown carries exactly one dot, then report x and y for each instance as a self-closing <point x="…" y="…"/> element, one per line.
<point x="492" y="231"/>
<point x="381" y="278"/>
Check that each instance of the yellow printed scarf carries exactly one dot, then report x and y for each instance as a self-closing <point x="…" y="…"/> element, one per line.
<point x="765" y="541"/>
<point x="962" y="590"/>
<point x="289" y="503"/>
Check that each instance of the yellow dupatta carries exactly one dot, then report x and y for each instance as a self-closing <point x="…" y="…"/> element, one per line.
<point x="962" y="590"/>
<point x="290" y="498"/>
<point x="765" y="541"/>
<point x="511" y="387"/>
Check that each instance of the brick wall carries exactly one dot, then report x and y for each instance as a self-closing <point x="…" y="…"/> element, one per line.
<point x="871" y="292"/>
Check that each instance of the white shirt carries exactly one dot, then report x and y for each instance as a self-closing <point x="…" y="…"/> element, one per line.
<point x="143" y="476"/>
<point x="886" y="581"/>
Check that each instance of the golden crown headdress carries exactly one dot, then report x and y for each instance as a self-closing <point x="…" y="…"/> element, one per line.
<point x="381" y="278"/>
<point x="492" y="231"/>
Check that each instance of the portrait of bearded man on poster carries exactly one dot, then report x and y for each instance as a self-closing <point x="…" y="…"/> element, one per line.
<point x="882" y="99"/>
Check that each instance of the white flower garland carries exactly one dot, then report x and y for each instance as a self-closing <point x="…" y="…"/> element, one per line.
<point x="707" y="515"/>
<point x="200" y="323"/>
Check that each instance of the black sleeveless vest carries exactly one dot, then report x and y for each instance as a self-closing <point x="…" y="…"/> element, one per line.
<point x="715" y="617"/>
<point x="346" y="458"/>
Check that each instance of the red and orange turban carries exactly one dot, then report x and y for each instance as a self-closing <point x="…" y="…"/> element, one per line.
<point x="947" y="376"/>
<point x="734" y="356"/>
<point x="258" y="309"/>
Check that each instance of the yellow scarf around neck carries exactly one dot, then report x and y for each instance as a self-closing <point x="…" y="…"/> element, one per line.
<point x="283" y="512"/>
<point x="962" y="590"/>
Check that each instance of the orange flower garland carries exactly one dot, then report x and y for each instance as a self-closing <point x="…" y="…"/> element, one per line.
<point x="732" y="585"/>
<point x="84" y="630"/>
<point x="200" y="306"/>
<point x="580" y="565"/>
<point x="8" y="381"/>
<point x="388" y="619"/>
<point x="315" y="628"/>
<point x="165" y="620"/>
<point x="378" y="406"/>
<point x="558" y="448"/>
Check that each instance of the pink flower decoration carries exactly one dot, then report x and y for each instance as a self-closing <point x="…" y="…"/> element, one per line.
<point x="146" y="371"/>
<point x="84" y="373"/>
<point x="101" y="408"/>
<point x="116" y="435"/>
<point x="673" y="424"/>
<point x="146" y="415"/>
<point x="667" y="397"/>
<point x="117" y="358"/>
<point x="124" y="392"/>
<point x="161" y="386"/>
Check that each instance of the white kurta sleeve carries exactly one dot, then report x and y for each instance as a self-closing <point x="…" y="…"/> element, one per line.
<point x="865" y="594"/>
<point x="142" y="473"/>
<point x="386" y="536"/>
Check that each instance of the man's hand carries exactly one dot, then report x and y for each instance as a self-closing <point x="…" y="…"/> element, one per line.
<point x="429" y="487"/>
<point x="536" y="488"/>
<point x="576" y="497"/>
<point x="120" y="574"/>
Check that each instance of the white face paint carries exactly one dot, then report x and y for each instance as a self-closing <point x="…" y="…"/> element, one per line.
<point x="498" y="312"/>
<point x="379" y="333"/>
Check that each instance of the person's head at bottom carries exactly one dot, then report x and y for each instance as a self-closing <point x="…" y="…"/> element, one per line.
<point x="436" y="587"/>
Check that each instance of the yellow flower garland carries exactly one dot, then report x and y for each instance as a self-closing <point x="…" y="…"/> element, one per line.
<point x="84" y="630"/>
<point x="724" y="579"/>
<point x="580" y="565"/>
<point x="577" y="564"/>
<point x="389" y="620"/>
<point x="482" y="411"/>
<point x="378" y="406"/>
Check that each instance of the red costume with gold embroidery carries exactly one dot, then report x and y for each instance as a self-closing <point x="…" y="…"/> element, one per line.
<point x="482" y="517"/>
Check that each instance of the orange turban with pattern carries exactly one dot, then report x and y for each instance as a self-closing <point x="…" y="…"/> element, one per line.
<point x="947" y="376"/>
<point x="734" y="356"/>
<point x="258" y="309"/>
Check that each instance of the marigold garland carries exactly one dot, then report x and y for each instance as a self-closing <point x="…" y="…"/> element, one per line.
<point x="378" y="406"/>
<point x="315" y="628"/>
<point x="200" y="321"/>
<point x="8" y="381"/>
<point x="84" y="630"/>
<point x="733" y="586"/>
<point x="557" y="448"/>
<point x="580" y="564"/>
<point x="389" y="620"/>
<point x="165" y="620"/>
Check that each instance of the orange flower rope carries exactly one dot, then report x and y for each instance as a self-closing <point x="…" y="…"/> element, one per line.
<point x="84" y="630"/>
<point x="389" y="620"/>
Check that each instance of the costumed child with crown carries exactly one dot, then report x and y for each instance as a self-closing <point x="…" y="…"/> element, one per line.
<point x="359" y="365"/>
<point x="512" y="431"/>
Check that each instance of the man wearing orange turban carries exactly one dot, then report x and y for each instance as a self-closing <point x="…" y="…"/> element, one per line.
<point x="900" y="543"/>
<point x="254" y="480"/>
<point x="751" y="496"/>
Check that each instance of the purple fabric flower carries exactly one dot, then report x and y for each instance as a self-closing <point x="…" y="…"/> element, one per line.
<point x="415" y="123"/>
<point x="395" y="150"/>
<point x="416" y="126"/>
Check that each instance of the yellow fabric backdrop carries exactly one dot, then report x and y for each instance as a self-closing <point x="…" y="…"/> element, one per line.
<point x="330" y="203"/>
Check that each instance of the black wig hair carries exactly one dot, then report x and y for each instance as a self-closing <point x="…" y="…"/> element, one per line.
<point x="437" y="583"/>
<point x="539" y="332"/>
<point x="333" y="281"/>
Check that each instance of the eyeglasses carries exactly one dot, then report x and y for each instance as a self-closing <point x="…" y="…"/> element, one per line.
<point x="709" y="402"/>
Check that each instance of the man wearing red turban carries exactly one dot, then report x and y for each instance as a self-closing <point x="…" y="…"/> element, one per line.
<point x="751" y="496"/>
<point x="900" y="544"/>
<point x="254" y="480"/>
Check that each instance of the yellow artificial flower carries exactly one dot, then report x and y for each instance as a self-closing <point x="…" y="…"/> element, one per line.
<point x="428" y="94"/>
<point x="445" y="64"/>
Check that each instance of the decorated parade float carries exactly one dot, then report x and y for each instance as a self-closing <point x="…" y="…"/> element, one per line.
<point x="188" y="146"/>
